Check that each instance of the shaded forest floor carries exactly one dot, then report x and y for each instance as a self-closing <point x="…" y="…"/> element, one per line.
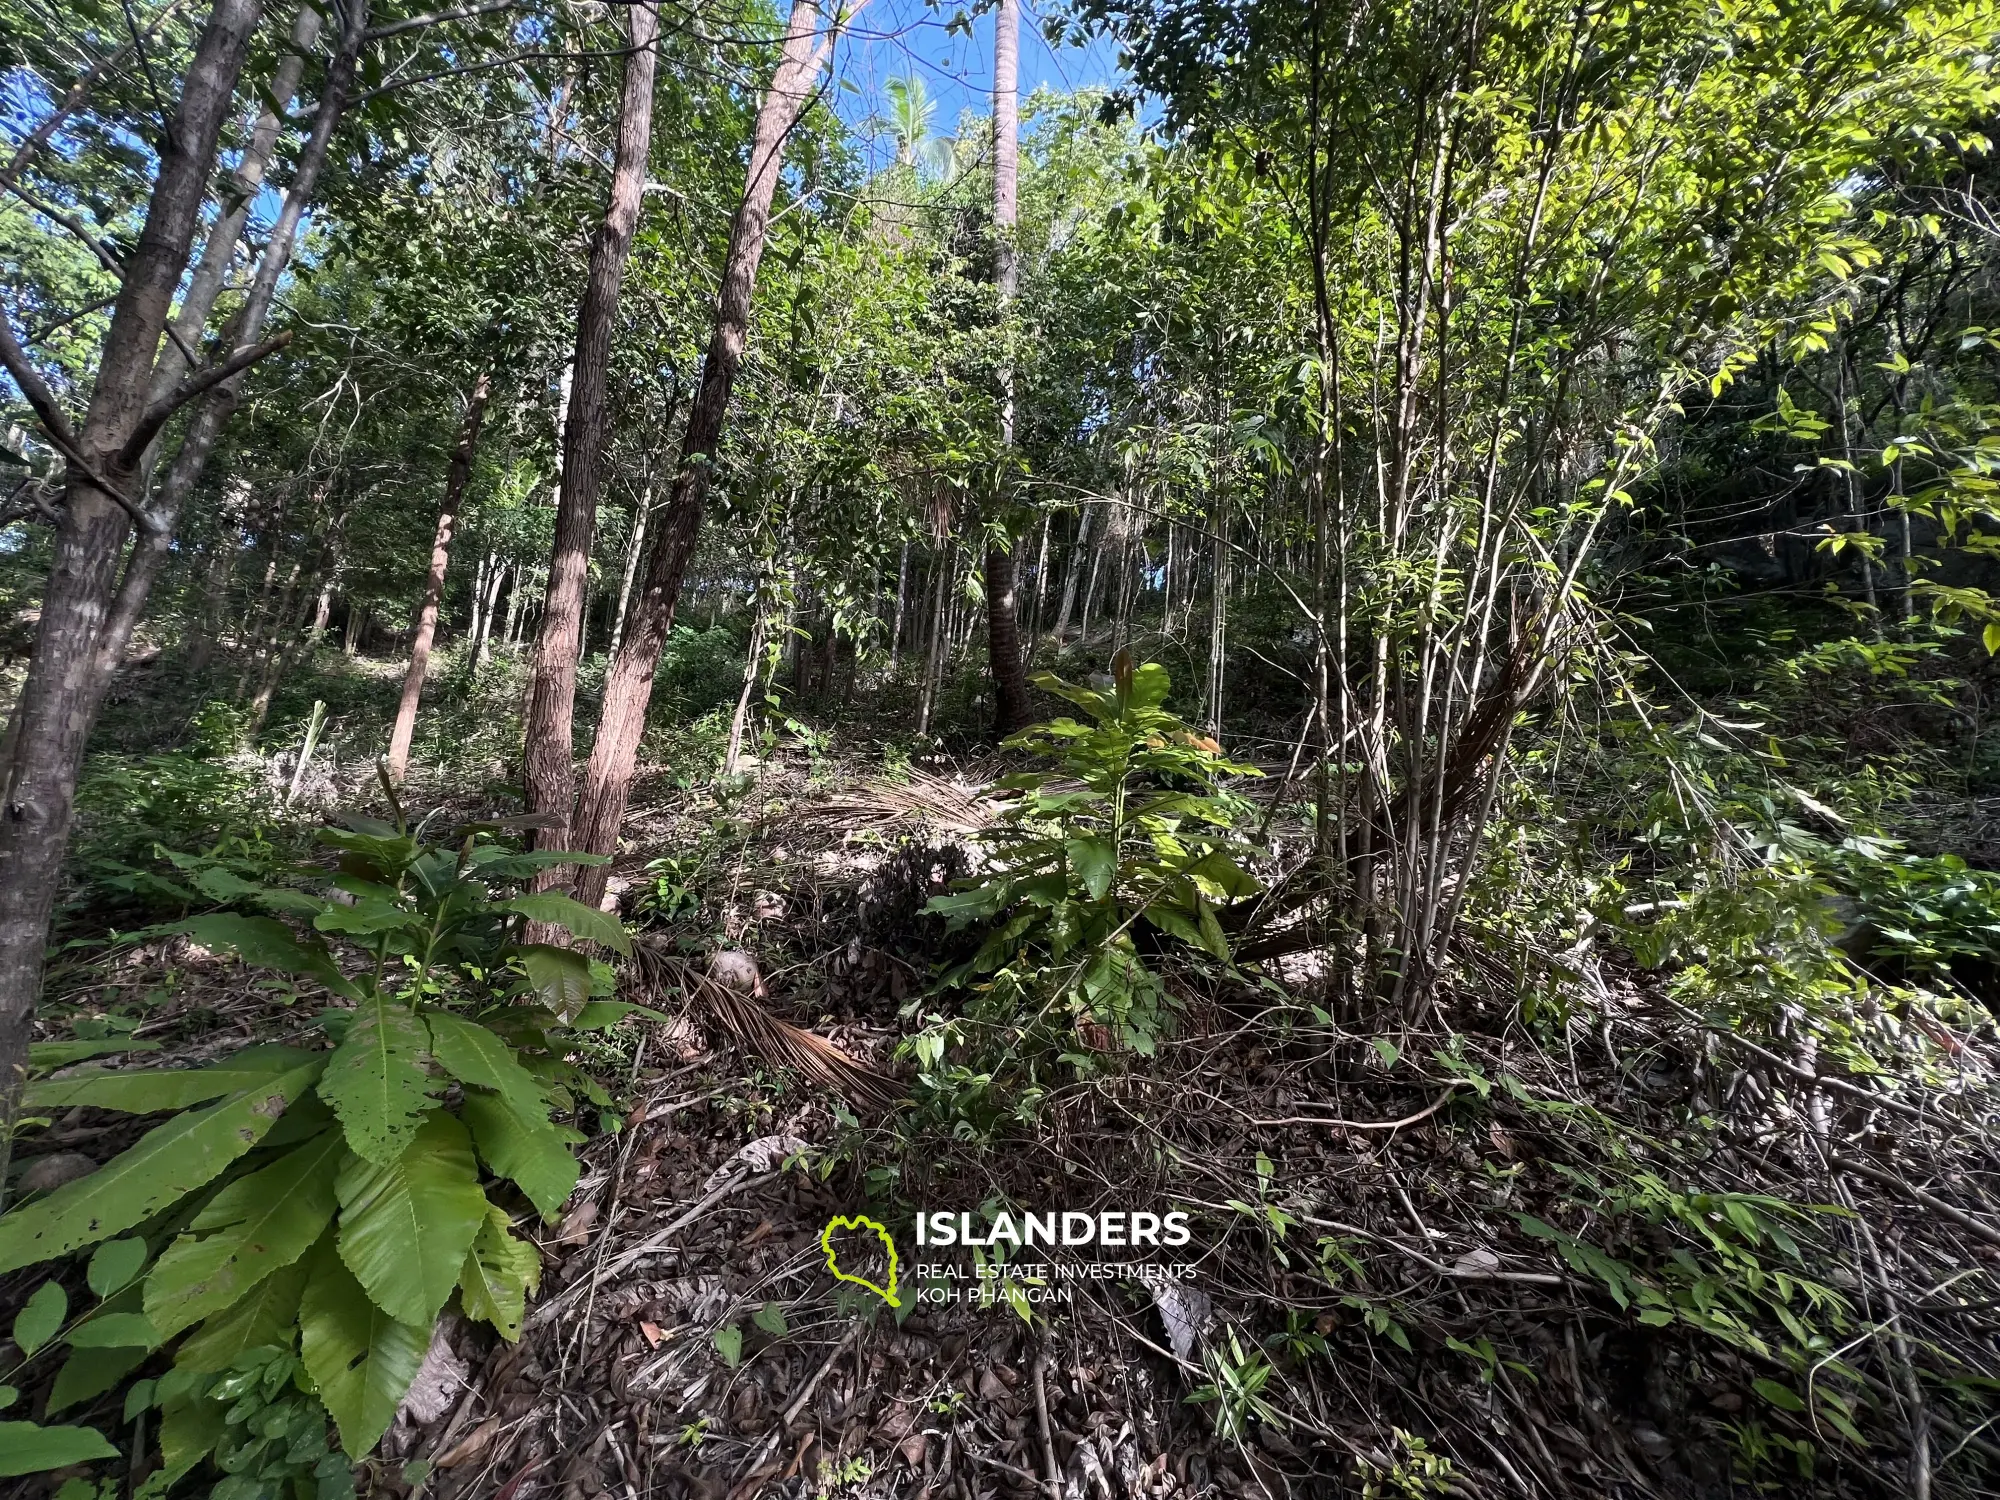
<point x="1481" y="1253"/>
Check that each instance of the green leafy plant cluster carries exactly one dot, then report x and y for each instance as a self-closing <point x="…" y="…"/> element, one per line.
<point x="1122" y="848"/>
<point x="302" y="1216"/>
<point x="147" y="825"/>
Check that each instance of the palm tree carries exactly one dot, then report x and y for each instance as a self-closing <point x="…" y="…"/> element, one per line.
<point x="909" y="120"/>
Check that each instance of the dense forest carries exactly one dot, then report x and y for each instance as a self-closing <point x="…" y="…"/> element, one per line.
<point x="1173" y="748"/>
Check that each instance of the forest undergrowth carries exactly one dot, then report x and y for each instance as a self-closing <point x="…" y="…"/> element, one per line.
<point x="1677" y="1184"/>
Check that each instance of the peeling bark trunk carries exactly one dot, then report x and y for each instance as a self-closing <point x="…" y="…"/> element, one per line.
<point x="628" y="686"/>
<point x="549" y="758"/>
<point x="405" y="727"/>
<point x="60" y="695"/>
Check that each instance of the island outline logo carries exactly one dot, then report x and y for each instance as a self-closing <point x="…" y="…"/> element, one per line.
<point x="861" y="1222"/>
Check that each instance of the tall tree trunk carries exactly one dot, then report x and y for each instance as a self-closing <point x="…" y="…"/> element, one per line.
<point x="641" y="514"/>
<point x="902" y="584"/>
<point x="405" y="727"/>
<point x="246" y="181"/>
<point x="1003" y="636"/>
<point x="628" y="685"/>
<point x="59" y="697"/>
<point x="1079" y="554"/>
<point x="496" y="578"/>
<point x="549" y="766"/>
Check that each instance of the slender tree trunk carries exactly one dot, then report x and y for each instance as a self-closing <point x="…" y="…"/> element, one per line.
<point x="1003" y="636"/>
<point x="628" y="687"/>
<point x="902" y="585"/>
<point x="246" y="181"/>
<point x="496" y="578"/>
<point x="752" y="668"/>
<point x="405" y="727"/>
<point x="60" y="694"/>
<point x="550" y="757"/>
<point x="940" y="635"/>
<point x="641" y="515"/>
<point x="1078" y="555"/>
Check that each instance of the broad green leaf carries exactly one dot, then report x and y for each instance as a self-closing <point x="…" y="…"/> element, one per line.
<point x="1229" y="877"/>
<point x="114" y="1265"/>
<point x="90" y="1371"/>
<point x="558" y="977"/>
<point x="190" y="1427"/>
<point x="137" y="1091"/>
<point x="471" y="1053"/>
<point x="771" y="1318"/>
<point x="268" y="943"/>
<point x="169" y="1161"/>
<point x="405" y="1228"/>
<point x="500" y="1270"/>
<point x="365" y="918"/>
<point x="534" y="1156"/>
<point x="116" y="1330"/>
<point x="26" y="1448"/>
<point x="1175" y="922"/>
<point x="1094" y="862"/>
<point x="376" y="1080"/>
<point x="8" y="1396"/>
<point x="1781" y="1396"/>
<point x="264" y="1316"/>
<point x="572" y="916"/>
<point x="1212" y="936"/>
<point x="248" y="1230"/>
<point x="361" y="1359"/>
<point x="43" y="1055"/>
<point x="729" y="1344"/>
<point x="601" y="1014"/>
<point x="41" y="1317"/>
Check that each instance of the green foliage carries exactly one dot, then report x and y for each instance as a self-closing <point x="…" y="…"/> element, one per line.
<point x="314" y="1211"/>
<point x="162" y="835"/>
<point x="1145" y="838"/>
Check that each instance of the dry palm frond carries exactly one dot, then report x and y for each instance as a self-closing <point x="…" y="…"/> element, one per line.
<point x="660" y="974"/>
<point x="918" y="800"/>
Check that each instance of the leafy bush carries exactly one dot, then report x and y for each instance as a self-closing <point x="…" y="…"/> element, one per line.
<point x="147" y="825"/>
<point x="303" y="1215"/>
<point x="1078" y="868"/>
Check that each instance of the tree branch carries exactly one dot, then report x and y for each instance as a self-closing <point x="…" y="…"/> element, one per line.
<point x="29" y="379"/>
<point x="160" y="412"/>
<point x="436" y="18"/>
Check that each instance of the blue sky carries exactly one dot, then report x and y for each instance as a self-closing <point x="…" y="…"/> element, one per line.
<point x="897" y="38"/>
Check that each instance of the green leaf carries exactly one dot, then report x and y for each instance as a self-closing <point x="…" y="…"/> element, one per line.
<point x="500" y="1270"/>
<point x="1174" y="922"/>
<point x="474" y="1054"/>
<point x="26" y="1448"/>
<point x="376" y="1080"/>
<point x="169" y="1161"/>
<point x="91" y="1371"/>
<point x="1781" y="1396"/>
<point x="189" y="1430"/>
<point x="263" y="1316"/>
<point x="45" y="1055"/>
<point x="1213" y="941"/>
<point x="600" y="1015"/>
<point x="8" y="1396"/>
<point x="1990" y="637"/>
<point x="771" y="1318"/>
<point x="267" y="943"/>
<point x="572" y="916"/>
<point x="115" y="1330"/>
<point x="405" y="1228"/>
<point x="114" y="1265"/>
<point x="534" y="1156"/>
<point x="729" y="1344"/>
<point x="257" y="1224"/>
<point x="361" y="1359"/>
<point x="143" y="1091"/>
<point x="558" y="977"/>
<point x="1094" y="862"/>
<point x="41" y="1317"/>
